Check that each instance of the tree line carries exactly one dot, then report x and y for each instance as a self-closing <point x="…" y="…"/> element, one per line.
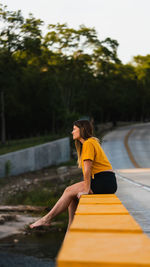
<point x="48" y="80"/>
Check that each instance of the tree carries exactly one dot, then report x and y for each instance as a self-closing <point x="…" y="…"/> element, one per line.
<point x="9" y="42"/>
<point x="66" y="74"/>
<point x="142" y="70"/>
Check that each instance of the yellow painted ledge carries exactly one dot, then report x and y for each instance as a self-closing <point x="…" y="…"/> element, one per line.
<point x="105" y="223"/>
<point x="104" y="234"/>
<point x="86" y="249"/>
<point x="100" y="196"/>
<point x="99" y="200"/>
<point x="101" y="209"/>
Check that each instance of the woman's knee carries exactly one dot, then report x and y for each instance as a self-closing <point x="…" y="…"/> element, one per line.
<point x="74" y="188"/>
<point x="68" y="189"/>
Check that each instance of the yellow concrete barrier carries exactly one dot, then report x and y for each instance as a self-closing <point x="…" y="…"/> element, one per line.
<point x="100" y="196"/>
<point x="102" y="200"/>
<point x="86" y="249"/>
<point x="101" y="209"/>
<point x="105" y="223"/>
<point x="103" y="233"/>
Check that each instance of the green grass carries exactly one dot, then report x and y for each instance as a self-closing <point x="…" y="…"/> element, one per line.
<point x="46" y="193"/>
<point x="42" y="196"/>
<point x="35" y="197"/>
<point x="19" y="144"/>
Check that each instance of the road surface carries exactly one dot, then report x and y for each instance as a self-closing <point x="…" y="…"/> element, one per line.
<point x="129" y="147"/>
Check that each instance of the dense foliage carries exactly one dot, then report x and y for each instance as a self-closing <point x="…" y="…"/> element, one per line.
<point x="49" y="80"/>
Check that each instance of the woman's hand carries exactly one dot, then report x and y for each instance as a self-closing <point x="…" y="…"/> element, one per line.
<point x="81" y="193"/>
<point x="84" y="193"/>
<point x="91" y="192"/>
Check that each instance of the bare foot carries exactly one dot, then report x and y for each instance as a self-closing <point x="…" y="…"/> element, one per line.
<point x="40" y="222"/>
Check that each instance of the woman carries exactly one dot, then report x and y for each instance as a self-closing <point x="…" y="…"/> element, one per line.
<point x="98" y="175"/>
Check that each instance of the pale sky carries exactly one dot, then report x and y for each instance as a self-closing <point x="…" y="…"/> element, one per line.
<point x="127" y="21"/>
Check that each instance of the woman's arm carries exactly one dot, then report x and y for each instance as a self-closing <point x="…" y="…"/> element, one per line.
<point x="87" y="174"/>
<point x="87" y="177"/>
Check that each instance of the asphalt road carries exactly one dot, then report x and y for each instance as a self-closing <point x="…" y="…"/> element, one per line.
<point x="139" y="143"/>
<point x="133" y="183"/>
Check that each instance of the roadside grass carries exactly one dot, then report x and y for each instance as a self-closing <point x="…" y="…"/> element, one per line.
<point x="45" y="194"/>
<point x="41" y="196"/>
<point x="36" y="197"/>
<point x="14" y="145"/>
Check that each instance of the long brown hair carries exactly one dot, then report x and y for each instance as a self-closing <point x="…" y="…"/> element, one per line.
<point x="86" y="131"/>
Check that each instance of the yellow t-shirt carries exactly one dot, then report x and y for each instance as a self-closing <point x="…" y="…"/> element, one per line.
<point x="92" y="150"/>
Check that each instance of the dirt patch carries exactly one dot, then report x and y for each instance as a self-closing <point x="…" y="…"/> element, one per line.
<point x="50" y="182"/>
<point x="58" y="176"/>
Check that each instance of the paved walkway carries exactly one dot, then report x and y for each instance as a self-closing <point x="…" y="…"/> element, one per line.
<point x="134" y="192"/>
<point x="115" y="146"/>
<point x="124" y="147"/>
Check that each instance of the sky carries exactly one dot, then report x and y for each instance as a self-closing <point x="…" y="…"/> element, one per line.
<point x="127" y="21"/>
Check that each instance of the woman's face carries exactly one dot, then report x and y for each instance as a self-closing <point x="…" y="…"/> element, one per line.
<point x="76" y="133"/>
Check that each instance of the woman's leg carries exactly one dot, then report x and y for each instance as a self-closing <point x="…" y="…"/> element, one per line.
<point x="62" y="204"/>
<point x="71" y="210"/>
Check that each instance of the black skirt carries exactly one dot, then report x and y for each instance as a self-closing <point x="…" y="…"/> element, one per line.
<point x="104" y="183"/>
